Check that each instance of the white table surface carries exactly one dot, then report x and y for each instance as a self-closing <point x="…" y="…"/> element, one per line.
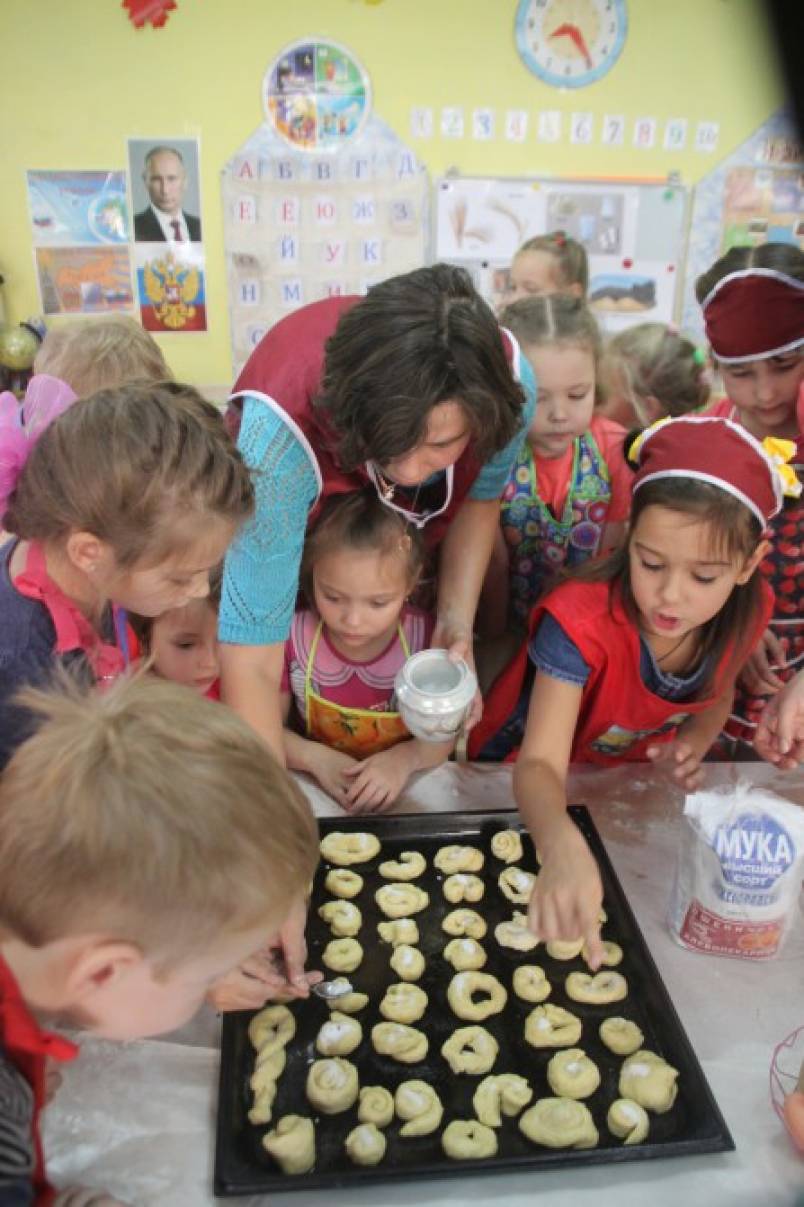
<point x="138" y="1119"/>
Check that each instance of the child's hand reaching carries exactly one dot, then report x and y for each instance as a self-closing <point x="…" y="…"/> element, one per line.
<point x="758" y="676"/>
<point x="85" y="1196"/>
<point x="779" y="737"/>
<point x="275" y="973"/>
<point x="329" y="767"/>
<point x="568" y="894"/>
<point x="684" y="759"/>
<point x="375" y="783"/>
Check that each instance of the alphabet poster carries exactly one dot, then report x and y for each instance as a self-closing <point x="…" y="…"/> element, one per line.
<point x="320" y="207"/>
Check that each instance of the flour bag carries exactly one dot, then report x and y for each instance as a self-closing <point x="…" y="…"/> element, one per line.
<point x="739" y="872"/>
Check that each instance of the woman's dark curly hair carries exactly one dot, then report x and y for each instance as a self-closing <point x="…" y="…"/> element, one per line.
<point x="414" y="341"/>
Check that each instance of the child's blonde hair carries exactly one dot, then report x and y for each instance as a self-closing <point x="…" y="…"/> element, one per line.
<point x="361" y="521"/>
<point x="142" y="467"/>
<point x="657" y="362"/>
<point x="553" y="318"/>
<point x="572" y="264"/>
<point x="151" y="815"/>
<point x="101" y="353"/>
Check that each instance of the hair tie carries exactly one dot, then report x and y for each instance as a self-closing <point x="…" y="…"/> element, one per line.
<point x="21" y="425"/>
<point x="559" y="238"/>
<point x="635" y="447"/>
<point x="781" y="453"/>
<point x="699" y="355"/>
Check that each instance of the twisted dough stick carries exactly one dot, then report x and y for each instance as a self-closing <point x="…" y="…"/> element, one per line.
<point x="271" y="1029"/>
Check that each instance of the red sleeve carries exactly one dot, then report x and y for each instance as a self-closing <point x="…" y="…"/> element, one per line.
<point x="610" y="436"/>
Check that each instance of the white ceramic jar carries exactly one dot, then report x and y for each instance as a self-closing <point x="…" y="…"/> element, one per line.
<point x="433" y="695"/>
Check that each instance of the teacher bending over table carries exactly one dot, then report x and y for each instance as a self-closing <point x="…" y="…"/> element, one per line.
<point x="414" y="389"/>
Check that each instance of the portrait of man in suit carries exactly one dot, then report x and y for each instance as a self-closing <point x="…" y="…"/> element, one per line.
<point x="164" y="219"/>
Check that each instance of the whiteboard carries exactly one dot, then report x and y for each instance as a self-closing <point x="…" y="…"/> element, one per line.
<point x="634" y="235"/>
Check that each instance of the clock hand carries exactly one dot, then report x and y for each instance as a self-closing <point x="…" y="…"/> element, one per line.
<point x="574" y="34"/>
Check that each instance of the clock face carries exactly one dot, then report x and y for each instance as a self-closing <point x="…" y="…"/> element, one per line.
<point x="570" y="43"/>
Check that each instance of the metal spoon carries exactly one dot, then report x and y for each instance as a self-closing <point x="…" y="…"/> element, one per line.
<point x="333" y="989"/>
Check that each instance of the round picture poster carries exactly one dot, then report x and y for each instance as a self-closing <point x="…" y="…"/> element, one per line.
<point x="316" y="95"/>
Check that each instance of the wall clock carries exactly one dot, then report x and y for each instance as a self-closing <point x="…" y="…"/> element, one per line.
<point x="570" y="43"/>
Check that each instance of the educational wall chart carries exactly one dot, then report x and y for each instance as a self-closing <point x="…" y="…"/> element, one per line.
<point x="80" y="226"/>
<point x="633" y="234"/>
<point x="322" y="199"/>
<point x="756" y="195"/>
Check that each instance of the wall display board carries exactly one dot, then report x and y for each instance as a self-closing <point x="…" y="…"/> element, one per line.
<point x="322" y="199"/>
<point x="80" y="229"/>
<point x="633" y="234"/>
<point x="756" y="195"/>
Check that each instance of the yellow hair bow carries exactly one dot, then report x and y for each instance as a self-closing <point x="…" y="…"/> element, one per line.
<point x="781" y="453"/>
<point x="635" y="447"/>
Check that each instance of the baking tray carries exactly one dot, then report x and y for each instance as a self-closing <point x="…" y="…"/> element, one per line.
<point x="693" y="1126"/>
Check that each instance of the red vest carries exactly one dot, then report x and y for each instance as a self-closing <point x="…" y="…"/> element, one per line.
<point x="285" y="371"/>
<point x="619" y="716"/>
<point x="27" y="1046"/>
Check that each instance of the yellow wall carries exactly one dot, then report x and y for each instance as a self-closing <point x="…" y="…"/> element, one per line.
<point x="78" y="79"/>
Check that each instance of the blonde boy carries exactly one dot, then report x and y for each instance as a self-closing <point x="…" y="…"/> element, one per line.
<point x="148" y="844"/>
<point x="101" y="353"/>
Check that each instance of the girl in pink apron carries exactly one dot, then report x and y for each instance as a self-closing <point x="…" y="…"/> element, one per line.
<point x="359" y="568"/>
<point x="125" y="501"/>
<point x="635" y="658"/>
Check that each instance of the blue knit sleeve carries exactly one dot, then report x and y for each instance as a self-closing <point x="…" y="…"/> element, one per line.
<point x="490" y="482"/>
<point x="261" y="575"/>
